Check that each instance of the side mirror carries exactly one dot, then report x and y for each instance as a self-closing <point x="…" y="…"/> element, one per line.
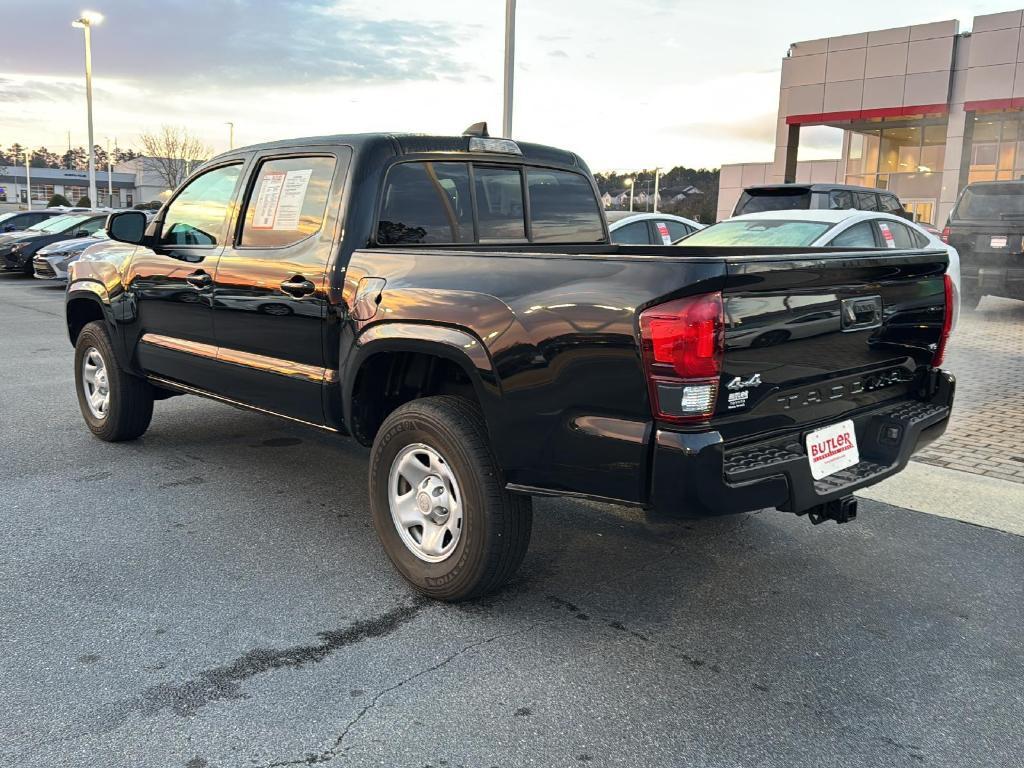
<point x="127" y="226"/>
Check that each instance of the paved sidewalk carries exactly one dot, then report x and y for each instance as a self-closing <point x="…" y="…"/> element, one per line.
<point x="986" y="433"/>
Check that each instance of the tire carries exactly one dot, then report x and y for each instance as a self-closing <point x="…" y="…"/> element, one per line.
<point x="129" y="402"/>
<point x="495" y="525"/>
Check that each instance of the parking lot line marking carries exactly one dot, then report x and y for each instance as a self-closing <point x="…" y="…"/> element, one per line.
<point x="976" y="499"/>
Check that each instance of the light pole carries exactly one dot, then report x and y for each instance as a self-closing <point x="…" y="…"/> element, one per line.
<point x="85" y="23"/>
<point x="231" y="135"/>
<point x="630" y="183"/>
<point x="28" y="180"/>
<point x="510" y="60"/>
<point x="110" y="176"/>
<point x="657" y="180"/>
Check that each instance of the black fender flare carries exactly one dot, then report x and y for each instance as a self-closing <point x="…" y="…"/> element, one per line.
<point x="95" y="292"/>
<point x="459" y="345"/>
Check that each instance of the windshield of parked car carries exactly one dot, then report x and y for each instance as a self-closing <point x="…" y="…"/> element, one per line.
<point x="992" y="201"/>
<point x="56" y="224"/>
<point x="785" y="199"/>
<point x="795" y="234"/>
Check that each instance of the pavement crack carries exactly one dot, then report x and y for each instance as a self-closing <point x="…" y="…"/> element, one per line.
<point x="340" y="749"/>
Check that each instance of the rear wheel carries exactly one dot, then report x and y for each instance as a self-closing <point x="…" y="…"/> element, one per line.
<point x="439" y="504"/>
<point x="116" y="406"/>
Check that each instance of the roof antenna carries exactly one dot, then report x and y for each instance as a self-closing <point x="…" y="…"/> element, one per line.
<point x="477" y="129"/>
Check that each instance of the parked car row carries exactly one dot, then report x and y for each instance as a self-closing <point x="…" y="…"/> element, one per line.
<point x="44" y="242"/>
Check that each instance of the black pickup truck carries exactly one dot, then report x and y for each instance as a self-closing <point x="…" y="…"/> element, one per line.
<point x="987" y="229"/>
<point x="455" y="303"/>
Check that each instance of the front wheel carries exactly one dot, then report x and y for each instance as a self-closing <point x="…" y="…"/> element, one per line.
<point x="439" y="504"/>
<point x="116" y="405"/>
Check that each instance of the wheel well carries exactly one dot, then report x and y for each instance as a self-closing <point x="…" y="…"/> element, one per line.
<point x="81" y="312"/>
<point x="388" y="380"/>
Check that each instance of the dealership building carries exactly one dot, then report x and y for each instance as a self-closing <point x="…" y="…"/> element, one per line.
<point x="924" y="110"/>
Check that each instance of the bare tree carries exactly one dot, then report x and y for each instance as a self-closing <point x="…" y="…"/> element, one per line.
<point x="173" y="153"/>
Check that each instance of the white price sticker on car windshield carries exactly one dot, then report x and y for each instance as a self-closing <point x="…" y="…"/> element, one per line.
<point x="832" y="449"/>
<point x="666" y="238"/>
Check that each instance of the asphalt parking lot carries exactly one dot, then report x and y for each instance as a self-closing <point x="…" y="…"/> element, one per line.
<point x="214" y="595"/>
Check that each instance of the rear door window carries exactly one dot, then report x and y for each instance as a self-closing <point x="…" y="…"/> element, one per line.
<point x="426" y="203"/>
<point x="634" y="233"/>
<point x="288" y="202"/>
<point x="860" y="235"/>
<point x="895" y="234"/>
<point x="866" y="201"/>
<point x="840" y="200"/>
<point x="889" y="204"/>
<point x="563" y="207"/>
<point x="499" y="202"/>
<point x="676" y="230"/>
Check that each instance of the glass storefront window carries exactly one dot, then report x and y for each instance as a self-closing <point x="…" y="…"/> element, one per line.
<point x="996" y="154"/>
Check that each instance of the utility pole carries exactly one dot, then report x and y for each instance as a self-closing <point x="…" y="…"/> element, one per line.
<point x="28" y="181"/>
<point x="110" y="177"/>
<point x="510" y="61"/>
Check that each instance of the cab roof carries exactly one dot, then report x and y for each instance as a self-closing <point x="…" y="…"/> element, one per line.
<point x="413" y="143"/>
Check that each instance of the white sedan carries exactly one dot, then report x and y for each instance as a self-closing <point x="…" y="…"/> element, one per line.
<point x="628" y="228"/>
<point x="827" y="228"/>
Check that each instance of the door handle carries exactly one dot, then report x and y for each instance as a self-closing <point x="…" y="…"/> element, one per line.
<point x="198" y="279"/>
<point x="298" y="286"/>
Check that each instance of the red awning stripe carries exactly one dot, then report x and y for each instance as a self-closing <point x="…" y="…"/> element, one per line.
<point x="992" y="104"/>
<point x="822" y="118"/>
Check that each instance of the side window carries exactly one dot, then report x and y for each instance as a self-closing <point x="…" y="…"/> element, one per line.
<point x="840" y="200"/>
<point x="635" y="233"/>
<point x="499" y="203"/>
<point x="426" y="203"/>
<point x="563" y="208"/>
<point x="858" y="236"/>
<point x="890" y="204"/>
<point x="677" y="230"/>
<point x="920" y="241"/>
<point x="866" y="201"/>
<point x="93" y="225"/>
<point x="198" y="214"/>
<point x="287" y="202"/>
<point x="896" y="234"/>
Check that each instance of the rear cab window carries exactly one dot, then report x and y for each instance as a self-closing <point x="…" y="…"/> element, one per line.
<point x="452" y="203"/>
<point x="991" y="202"/>
<point x="772" y="199"/>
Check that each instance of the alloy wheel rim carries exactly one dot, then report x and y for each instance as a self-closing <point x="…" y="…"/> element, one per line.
<point x="95" y="383"/>
<point x="425" y="502"/>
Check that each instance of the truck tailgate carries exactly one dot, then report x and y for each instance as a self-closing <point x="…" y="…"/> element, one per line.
<point x="811" y="340"/>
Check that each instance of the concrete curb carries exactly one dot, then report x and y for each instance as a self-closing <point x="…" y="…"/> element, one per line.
<point x="976" y="499"/>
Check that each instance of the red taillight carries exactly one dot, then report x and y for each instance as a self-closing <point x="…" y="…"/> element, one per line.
<point x="947" y="322"/>
<point x="682" y="343"/>
<point x="945" y="234"/>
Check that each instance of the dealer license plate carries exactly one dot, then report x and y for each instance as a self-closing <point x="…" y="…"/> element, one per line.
<point x="998" y="241"/>
<point x="832" y="449"/>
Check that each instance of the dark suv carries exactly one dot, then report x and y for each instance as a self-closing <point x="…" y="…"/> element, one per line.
<point x="987" y="229"/>
<point x="785" y="197"/>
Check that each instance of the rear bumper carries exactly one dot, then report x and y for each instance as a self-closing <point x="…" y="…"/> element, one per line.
<point x="695" y="475"/>
<point x="993" y="281"/>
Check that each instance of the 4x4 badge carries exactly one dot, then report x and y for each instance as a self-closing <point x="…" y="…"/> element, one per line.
<point x="739" y="383"/>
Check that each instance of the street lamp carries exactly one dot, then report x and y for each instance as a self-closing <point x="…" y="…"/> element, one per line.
<point x="510" y="62"/>
<point x="85" y="22"/>
<point x="231" y="135"/>
<point x="629" y="183"/>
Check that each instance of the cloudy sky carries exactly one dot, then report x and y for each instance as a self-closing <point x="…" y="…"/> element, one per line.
<point x="629" y="83"/>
